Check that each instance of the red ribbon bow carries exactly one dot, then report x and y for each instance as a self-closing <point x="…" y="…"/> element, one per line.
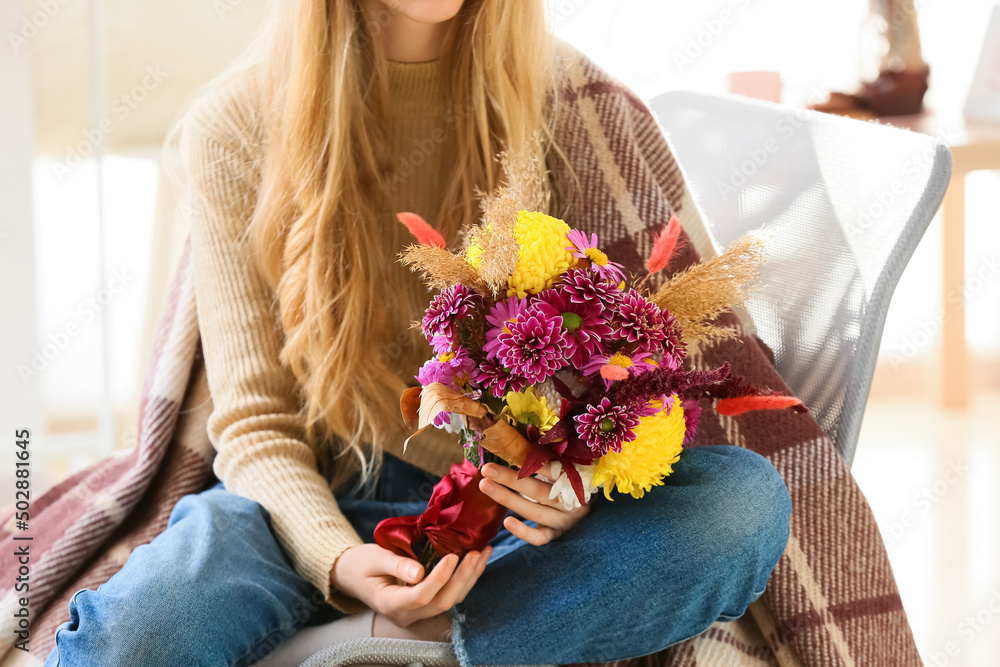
<point x="459" y="518"/>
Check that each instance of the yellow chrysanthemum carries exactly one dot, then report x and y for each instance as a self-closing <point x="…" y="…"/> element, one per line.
<point x="526" y="407"/>
<point x="542" y="254"/>
<point x="644" y="462"/>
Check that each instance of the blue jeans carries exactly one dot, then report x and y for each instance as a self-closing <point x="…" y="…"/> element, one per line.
<point x="633" y="577"/>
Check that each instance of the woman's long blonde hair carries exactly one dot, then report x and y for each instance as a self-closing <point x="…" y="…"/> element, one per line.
<point x="319" y="229"/>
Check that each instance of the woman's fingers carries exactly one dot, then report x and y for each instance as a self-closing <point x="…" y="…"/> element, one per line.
<point x="457" y="587"/>
<point x="534" y="488"/>
<point x="530" y="534"/>
<point x="463" y="579"/>
<point x="537" y="512"/>
<point x="478" y="572"/>
<point x="415" y="597"/>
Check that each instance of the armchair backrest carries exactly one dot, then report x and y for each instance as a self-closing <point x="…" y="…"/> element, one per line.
<point x="849" y="201"/>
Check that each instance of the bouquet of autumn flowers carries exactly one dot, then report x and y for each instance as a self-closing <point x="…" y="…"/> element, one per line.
<point x="546" y="351"/>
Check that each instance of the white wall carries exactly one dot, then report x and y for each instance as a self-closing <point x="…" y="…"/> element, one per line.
<point x="19" y="405"/>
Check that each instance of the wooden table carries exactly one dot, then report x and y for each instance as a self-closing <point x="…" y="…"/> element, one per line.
<point x="974" y="145"/>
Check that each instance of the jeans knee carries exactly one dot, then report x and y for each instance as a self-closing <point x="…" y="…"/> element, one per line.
<point x="761" y="507"/>
<point x="751" y="513"/>
<point x="97" y="627"/>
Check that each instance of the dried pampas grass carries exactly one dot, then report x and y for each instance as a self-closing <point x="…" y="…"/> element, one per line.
<point x="497" y="242"/>
<point x="441" y="268"/>
<point x="703" y="291"/>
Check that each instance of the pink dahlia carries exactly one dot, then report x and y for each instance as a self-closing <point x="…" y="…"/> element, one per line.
<point x="535" y="346"/>
<point x="605" y="427"/>
<point x="584" y="248"/>
<point x="639" y="321"/>
<point x="584" y="326"/>
<point x="674" y="348"/>
<point x="582" y="286"/>
<point x="497" y="379"/>
<point x="501" y="315"/>
<point x="448" y="308"/>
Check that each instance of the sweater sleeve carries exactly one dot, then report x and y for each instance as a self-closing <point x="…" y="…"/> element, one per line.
<point x="255" y="426"/>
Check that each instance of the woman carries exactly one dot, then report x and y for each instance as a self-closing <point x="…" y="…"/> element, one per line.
<point x="299" y="157"/>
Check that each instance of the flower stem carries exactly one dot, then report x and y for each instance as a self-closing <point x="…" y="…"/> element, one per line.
<point x="428" y="556"/>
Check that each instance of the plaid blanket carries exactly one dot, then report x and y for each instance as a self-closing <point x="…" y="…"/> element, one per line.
<point x="832" y="599"/>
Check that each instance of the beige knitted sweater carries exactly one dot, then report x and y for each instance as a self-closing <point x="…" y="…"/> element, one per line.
<point x="255" y="424"/>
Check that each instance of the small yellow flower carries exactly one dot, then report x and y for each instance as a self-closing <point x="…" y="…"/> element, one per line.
<point x="619" y="359"/>
<point x="646" y="460"/>
<point x="596" y="256"/>
<point x="526" y="407"/>
<point x="542" y="254"/>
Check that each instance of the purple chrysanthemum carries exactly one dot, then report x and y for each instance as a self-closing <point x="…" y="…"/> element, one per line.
<point x="448" y="308"/>
<point x="584" y="248"/>
<point x="582" y="286"/>
<point x="674" y="348"/>
<point x="605" y="427"/>
<point x="453" y="369"/>
<point x="535" y="346"/>
<point x="692" y="414"/>
<point x="583" y="324"/>
<point x="497" y="379"/>
<point x="442" y="344"/>
<point x="640" y="322"/>
<point x="502" y="314"/>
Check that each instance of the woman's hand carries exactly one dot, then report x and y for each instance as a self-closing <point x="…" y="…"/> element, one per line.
<point x="529" y="497"/>
<point x="380" y="579"/>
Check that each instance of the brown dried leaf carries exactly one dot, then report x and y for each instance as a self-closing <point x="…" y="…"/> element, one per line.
<point x="506" y="442"/>
<point x="435" y="398"/>
<point x="409" y="404"/>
